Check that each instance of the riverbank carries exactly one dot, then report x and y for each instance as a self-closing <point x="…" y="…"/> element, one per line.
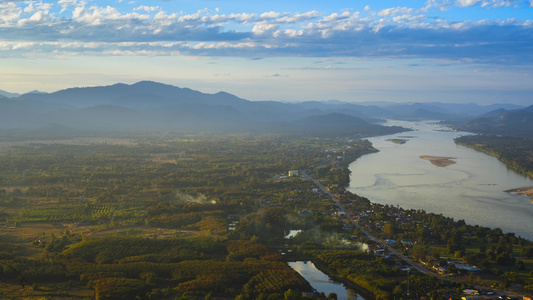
<point x="514" y="152"/>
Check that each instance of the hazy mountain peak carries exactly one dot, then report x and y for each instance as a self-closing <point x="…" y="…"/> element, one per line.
<point x="529" y="108"/>
<point x="35" y="92"/>
<point x="150" y="82"/>
<point x="496" y="112"/>
<point x="8" y="94"/>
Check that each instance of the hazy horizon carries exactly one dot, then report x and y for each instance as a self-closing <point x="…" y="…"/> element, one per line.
<point x="325" y="101"/>
<point x="453" y="51"/>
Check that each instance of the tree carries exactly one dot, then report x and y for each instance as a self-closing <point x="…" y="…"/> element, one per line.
<point x="505" y="259"/>
<point x="520" y="265"/>
<point x="455" y="242"/>
<point x="418" y="252"/>
<point x="528" y="252"/>
<point x="332" y="296"/>
<point x="397" y="291"/>
<point x="292" y="295"/>
<point x="510" y="277"/>
<point x="435" y="255"/>
<point x="452" y="269"/>
<point x="389" y="229"/>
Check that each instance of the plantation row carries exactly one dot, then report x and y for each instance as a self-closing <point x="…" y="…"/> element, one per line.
<point x="110" y="249"/>
<point x="65" y="213"/>
<point x="270" y="281"/>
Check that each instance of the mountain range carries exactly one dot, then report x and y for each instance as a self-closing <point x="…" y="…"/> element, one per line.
<point x="150" y="105"/>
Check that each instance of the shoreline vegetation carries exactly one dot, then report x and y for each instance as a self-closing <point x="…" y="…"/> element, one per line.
<point x="439" y="161"/>
<point x="515" y="152"/>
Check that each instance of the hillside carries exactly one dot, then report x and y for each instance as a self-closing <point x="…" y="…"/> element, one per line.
<point x="502" y="122"/>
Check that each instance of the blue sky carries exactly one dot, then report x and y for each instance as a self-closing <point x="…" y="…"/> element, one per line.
<point x="403" y="51"/>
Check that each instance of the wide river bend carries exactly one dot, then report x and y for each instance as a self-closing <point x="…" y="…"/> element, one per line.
<point x="471" y="189"/>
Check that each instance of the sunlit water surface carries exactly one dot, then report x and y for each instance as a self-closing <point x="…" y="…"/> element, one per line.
<point x="472" y="189"/>
<point x="321" y="282"/>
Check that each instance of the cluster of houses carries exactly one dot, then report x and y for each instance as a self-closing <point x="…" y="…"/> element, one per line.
<point x="335" y="155"/>
<point x="459" y="264"/>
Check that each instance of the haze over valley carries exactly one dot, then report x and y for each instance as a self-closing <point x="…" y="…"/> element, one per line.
<point x="150" y="105"/>
<point x="265" y="150"/>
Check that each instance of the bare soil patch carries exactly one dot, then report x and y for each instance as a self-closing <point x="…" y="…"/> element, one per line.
<point x="528" y="191"/>
<point x="439" y="161"/>
<point x="34" y="230"/>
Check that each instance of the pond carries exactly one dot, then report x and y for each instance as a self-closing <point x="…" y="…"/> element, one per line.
<point x="291" y="233"/>
<point x="322" y="282"/>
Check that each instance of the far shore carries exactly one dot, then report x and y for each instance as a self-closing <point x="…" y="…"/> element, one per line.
<point x="527" y="191"/>
<point x="439" y="161"/>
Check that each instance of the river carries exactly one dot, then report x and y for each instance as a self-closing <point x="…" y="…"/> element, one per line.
<point x="471" y="189"/>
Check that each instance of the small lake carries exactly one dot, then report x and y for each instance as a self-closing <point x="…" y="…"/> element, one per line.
<point x="471" y="189"/>
<point x="321" y="282"/>
<point x="292" y="233"/>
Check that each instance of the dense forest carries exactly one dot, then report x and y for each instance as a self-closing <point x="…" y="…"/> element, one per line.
<point x="196" y="216"/>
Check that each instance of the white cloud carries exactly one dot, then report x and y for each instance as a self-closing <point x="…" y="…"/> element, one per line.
<point x="295" y="18"/>
<point x="489" y="4"/>
<point x="394" y="32"/>
<point x="336" y="17"/>
<point x="39" y="11"/>
<point x="293" y="33"/>
<point x="39" y="16"/>
<point x="147" y="8"/>
<point x="269" y="15"/>
<point x="78" y="10"/>
<point x="65" y="4"/>
<point x="395" y="11"/>
<point x="466" y="3"/>
<point x="9" y="12"/>
<point x="29" y="8"/>
<point x="498" y="3"/>
<point x="161" y="16"/>
<point x="24" y="45"/>
<point x="264" y="28"/>
<point x="243" y="17"/>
